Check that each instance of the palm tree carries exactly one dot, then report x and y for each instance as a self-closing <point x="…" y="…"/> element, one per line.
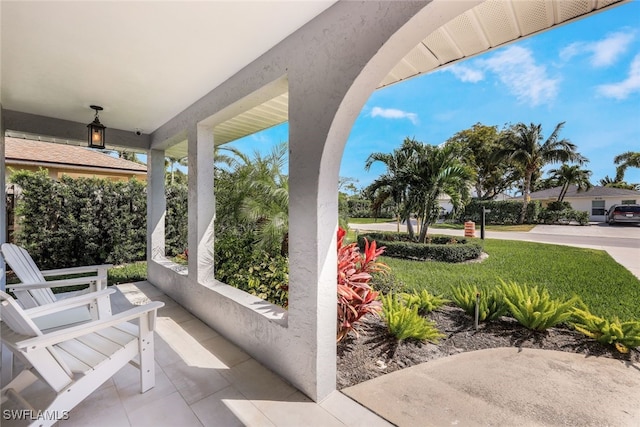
<point x="630" y="159"/>
<point x="567" y="175"/>
<point x="390" y="185"/>
<point x="254" y="195"/>
<point x="524" y="149"/>
<point x="171" y="162"/>
<point x="431" y="172"/>
<point x="607" y="181"/>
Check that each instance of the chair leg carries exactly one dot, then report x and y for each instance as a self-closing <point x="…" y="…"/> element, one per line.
<point x="6" y="371"/>
<point x="147" y="362"/>
<point x="12" y="390"/>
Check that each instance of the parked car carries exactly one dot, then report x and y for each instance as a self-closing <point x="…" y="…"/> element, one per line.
<point x="623" y="213"/>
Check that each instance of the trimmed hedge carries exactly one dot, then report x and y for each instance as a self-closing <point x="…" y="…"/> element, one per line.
<point x="564" y="217"/>
<point x="87" y="221"/>
<point x="502" y="211"/>
<point x="439" y="248"/>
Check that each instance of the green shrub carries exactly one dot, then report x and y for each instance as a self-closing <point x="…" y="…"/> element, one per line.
<point x="425" y="301"/>
<point x="84" y="221"/>
<point x="564" y="216"/>
<point x="558" y="206"/>
<point x="492" y="303"/>
<point x="623" y="335"/>
<point x="405" y="322"/>
<point x="536" y="310"/>
<point x="502" y="211"/>
<point x="80" y="221"/>
<point x="440" y="248"/>
<point x="176" y="219"/>
<point x="256" y="272"/>
<point x="386" y="282"/>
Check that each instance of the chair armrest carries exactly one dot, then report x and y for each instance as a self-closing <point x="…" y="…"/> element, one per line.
<point x="67" y="303"/>
<point x="61" y="335"/>
<point x="75" y="270"/>
<point x="56" y="283"/>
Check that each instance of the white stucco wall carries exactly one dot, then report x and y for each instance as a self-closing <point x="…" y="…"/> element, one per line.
<point x="584" y="204"/>
<point x="332" y="65"/>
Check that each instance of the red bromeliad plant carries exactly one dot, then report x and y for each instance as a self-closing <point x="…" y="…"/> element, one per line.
<point x="355" y="296"/>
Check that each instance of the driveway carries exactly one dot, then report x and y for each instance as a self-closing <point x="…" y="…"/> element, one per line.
<point x="622" y="242"/>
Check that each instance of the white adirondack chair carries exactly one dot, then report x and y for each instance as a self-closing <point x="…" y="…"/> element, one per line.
<point x="35" y="291"/>
<point x="75" y="361"/>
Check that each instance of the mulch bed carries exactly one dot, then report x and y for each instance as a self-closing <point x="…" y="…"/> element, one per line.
<point x="374" y="352"/>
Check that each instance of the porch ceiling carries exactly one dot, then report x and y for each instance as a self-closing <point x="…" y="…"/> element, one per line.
<point x="144" y="62"/>
<point x="57" y="60"/>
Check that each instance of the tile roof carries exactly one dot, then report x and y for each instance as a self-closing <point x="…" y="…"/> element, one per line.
<point x="42" y="153"/>
<point x="596" y="191"/>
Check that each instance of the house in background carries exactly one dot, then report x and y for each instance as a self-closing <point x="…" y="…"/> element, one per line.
<point x="71" y="160"/>
<point x="596" y="200"/>
<point x="61" y="159"/>
<point x="446" y="206"/>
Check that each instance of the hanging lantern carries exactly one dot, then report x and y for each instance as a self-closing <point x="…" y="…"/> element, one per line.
<point x="96" y="130"/>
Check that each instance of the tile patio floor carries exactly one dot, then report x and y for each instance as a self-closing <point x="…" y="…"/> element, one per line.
<point x="202" y="379"/>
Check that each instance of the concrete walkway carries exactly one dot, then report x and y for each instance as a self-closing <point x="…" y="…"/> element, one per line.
<point x="507" y="387"/>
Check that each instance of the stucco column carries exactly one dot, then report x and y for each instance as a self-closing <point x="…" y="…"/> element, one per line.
<point x="201" y="204"/>
<point x="3" y="203"/>
<point x="156" y="205"/>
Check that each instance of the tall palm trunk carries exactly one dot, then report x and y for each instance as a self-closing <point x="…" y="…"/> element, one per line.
<point x="563" y="191"/>
<point x="412" y="234"/>
<point x="527" y="195"/>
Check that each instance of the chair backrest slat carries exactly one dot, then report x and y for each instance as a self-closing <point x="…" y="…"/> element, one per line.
<point x="14" y="317"/>
<point x="27" y="271"/>
<point x="50" y="364"/>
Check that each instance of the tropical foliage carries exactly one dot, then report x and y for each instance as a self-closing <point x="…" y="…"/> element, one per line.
<point x="425" y="301"/>
<point x="567" y="175"/>
<point x="623" y="335"/>
<point x="491" y="301"/>
<point x="629" y="159"/>
<point x="526" y="149"/>
<point x="417" y="175"/>
<point x="252" y="200"/>
<point x="356" y="297"/>
<point x="405" y="322"/>
<point x="607" y="181"/>
<point x="391" y="184"/>
<point x="252" y="196"/>
<point x="536" y="309"/>
<point x="476" y="146"/>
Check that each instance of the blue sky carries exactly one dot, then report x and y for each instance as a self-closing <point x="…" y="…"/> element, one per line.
<point x="586" y="74"/>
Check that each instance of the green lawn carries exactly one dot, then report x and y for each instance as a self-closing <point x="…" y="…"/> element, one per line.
<point x="369" y="220"/>
<point x="605" y="286"/>
<point x="127" y="273"/>
<point x="517" y="227"/>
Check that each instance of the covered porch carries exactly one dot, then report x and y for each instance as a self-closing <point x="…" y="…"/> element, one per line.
<point x="311" y="64"/>
<point x="201" y="379"/>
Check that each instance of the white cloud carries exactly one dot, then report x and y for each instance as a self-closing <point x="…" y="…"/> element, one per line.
<point x="392" y="113"/>
<point x="574" y="49"/>
<point x="623" y="89"/>
<point x="603" y="52"/>
<point x="607" y="51"/>
<point x="517" y="70"/>
<point x="466" y="74"/>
